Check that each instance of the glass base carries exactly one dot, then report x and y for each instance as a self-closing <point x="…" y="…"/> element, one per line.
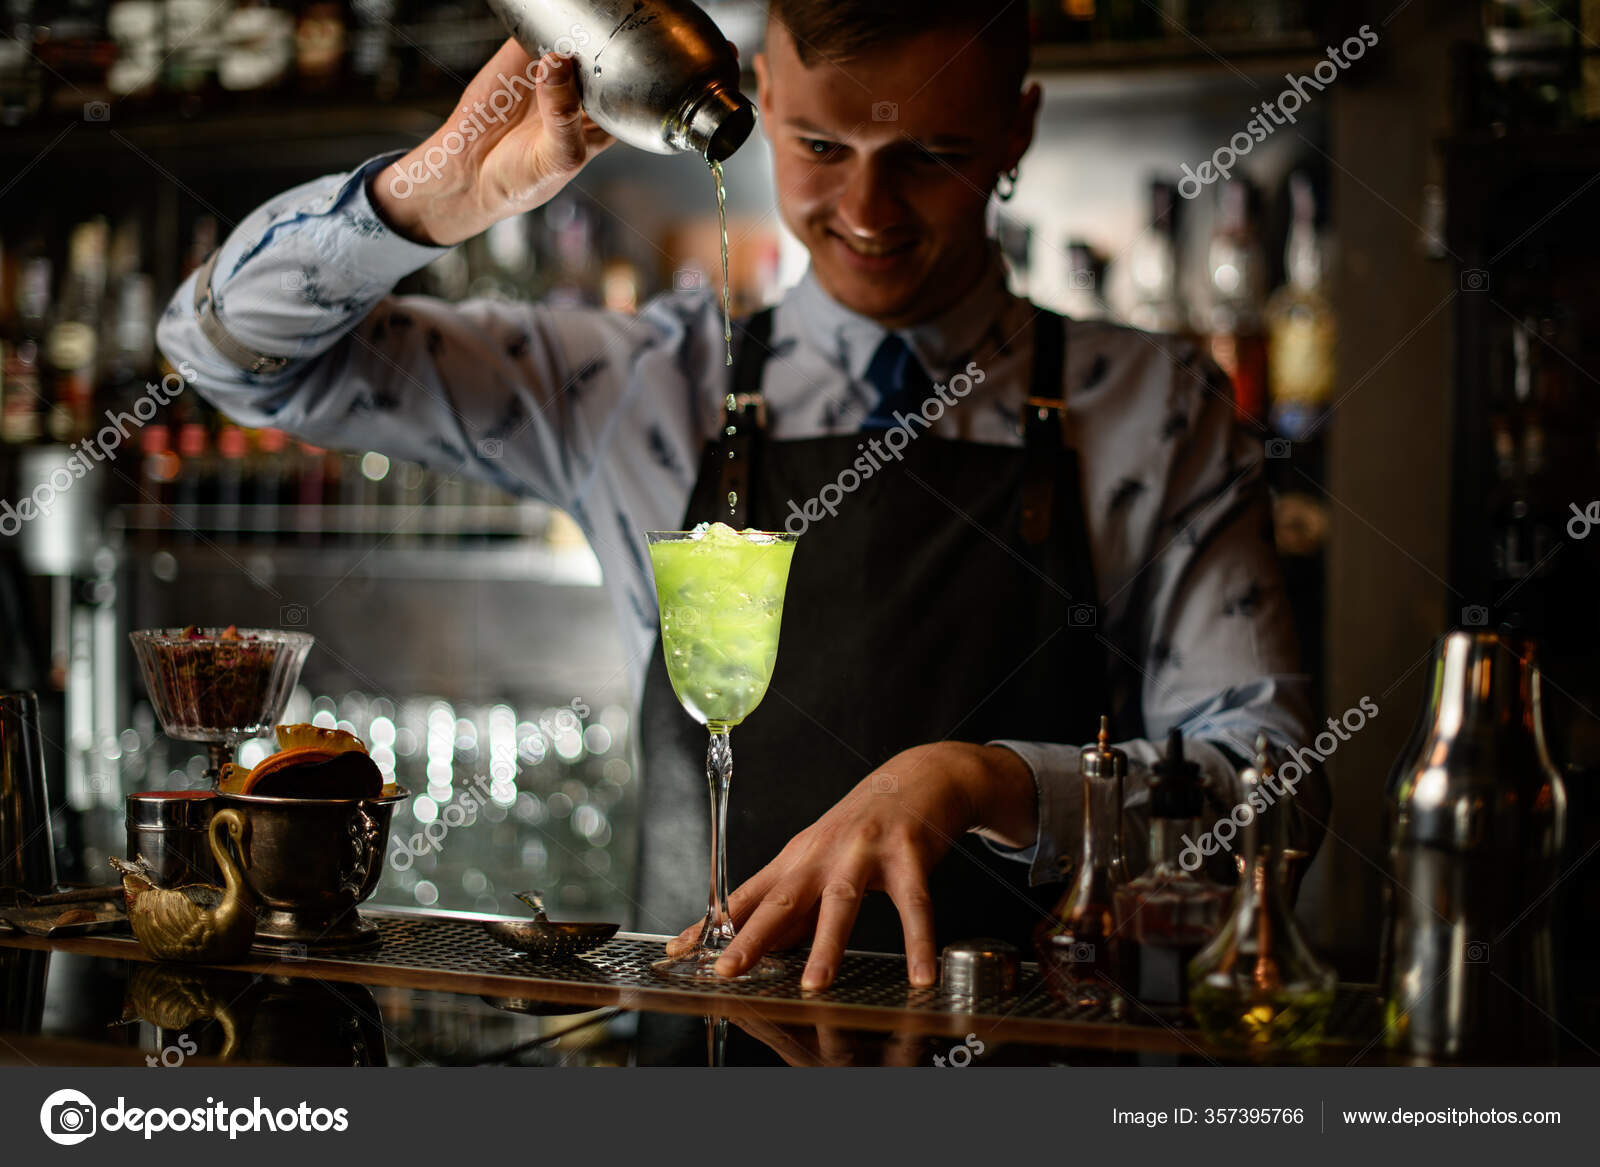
<point x="700" y="966"/>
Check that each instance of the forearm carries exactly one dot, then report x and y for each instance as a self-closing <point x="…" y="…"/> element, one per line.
<point x="291" y="279"/>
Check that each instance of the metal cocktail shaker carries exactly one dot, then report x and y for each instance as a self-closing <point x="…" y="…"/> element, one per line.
<point x="1476" y="819"/>
<point x="656" y="74"/>
<point x="27" y="858"/>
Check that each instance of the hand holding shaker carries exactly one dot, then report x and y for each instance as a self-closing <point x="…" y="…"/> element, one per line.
<point x="656" y="74"/>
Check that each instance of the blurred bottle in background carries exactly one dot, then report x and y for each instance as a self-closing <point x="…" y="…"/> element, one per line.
<point x="23" y="405"/>
<point x="74" y="340"/>
<point x="1232" y="324"/>
<point x="1157" y="305"/>
<point x="1301" y="328"/>
<point x="257" y="47"/>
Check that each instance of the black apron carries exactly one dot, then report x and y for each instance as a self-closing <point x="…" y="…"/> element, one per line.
<point x="951" y="597"/>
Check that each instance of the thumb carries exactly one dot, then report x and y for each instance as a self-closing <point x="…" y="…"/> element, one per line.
<point x="561" y="111"/>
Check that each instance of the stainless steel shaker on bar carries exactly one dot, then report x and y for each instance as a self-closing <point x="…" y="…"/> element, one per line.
<point x="1476" y="821"/>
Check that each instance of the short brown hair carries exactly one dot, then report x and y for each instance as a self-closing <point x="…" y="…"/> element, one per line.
<point x="842" y="30"/>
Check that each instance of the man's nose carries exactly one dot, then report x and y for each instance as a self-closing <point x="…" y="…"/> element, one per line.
<point x="869" y="204"/>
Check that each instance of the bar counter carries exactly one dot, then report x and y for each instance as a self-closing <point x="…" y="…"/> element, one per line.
<point x="438" y="991"/>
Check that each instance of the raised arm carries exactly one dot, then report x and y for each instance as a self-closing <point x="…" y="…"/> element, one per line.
<point x="299" y="331"/>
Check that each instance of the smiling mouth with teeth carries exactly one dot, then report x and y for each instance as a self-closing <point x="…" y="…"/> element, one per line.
<point x="873" y="249"/>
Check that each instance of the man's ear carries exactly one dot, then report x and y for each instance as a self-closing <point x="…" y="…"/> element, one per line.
<point x="763" y="88"/>
<point x="1022" y="128"/>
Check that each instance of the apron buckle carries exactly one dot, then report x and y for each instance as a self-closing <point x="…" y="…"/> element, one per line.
<point x="739" y="405"/>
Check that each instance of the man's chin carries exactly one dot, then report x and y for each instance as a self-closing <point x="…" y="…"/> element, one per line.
<point x="892" y="303"/>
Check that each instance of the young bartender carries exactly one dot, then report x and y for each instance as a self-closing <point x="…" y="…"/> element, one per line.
<point x="1012" y="522"/>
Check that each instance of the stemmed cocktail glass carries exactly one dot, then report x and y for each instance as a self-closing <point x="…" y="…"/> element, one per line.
<point x="219" y="685"/>
<point x="721" y="596"/>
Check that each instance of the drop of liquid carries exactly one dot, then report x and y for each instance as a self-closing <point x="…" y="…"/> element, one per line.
<point x="733" y="501"/>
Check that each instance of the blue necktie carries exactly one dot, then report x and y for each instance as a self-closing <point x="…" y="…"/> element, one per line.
<point x="901" y="381"/>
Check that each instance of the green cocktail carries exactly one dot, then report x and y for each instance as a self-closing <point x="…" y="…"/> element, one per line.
<point x="721" y="596"/>
<point x="721" y="604"/>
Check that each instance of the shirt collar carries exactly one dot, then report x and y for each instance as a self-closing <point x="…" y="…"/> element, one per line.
<point x="942" y="344"/>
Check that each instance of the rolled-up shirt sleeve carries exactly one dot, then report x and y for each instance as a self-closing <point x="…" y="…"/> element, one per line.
<point x="1203" y="641"/>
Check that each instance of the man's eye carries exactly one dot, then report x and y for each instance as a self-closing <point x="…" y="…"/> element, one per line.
<point x="820" y="147"/>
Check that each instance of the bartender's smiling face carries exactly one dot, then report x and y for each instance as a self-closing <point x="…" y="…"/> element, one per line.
<point x="884" y="164"/>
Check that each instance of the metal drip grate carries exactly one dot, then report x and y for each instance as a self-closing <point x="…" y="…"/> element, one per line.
<point x="444" y="945"/>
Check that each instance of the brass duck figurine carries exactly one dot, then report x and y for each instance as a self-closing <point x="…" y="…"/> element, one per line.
<point x="197" y="922"/>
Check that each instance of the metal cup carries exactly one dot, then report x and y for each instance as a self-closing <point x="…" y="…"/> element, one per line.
<point x="27" y="856"/>
<point x="170" y="829"/>
<point x="308" y="863"/>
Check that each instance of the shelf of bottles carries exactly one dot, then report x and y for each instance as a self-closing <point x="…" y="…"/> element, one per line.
<point x="1133" y="34"/>
<point x="121" y="60"/>
<point x="1537" y="67"/>
<point x="171" y="59"/>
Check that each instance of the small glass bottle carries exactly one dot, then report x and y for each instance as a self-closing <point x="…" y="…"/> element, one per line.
<point x="1302" y="328"/>
<point x="1258" y="985"/>
<point x="1078" y="948"/>
<point x="1167" y="915"/>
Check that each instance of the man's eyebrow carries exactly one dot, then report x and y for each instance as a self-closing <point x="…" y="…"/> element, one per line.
<point x="936" y="142"/>
<point x="807" y="127"/>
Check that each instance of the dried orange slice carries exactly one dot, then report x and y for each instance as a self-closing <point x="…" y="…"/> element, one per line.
<point x="309" y="772"/>
<point x="331" y="741"/>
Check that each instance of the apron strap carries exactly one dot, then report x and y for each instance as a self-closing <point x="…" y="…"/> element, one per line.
<point x="744" y="415"/>
<point x="1044" y="415"/>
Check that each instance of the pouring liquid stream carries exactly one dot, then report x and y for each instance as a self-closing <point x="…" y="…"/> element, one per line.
<point x="722" y="221"/>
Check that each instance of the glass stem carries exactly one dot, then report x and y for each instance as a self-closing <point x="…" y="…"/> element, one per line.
<point x="718" y="930"/>
<point x="221" y="754"/>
